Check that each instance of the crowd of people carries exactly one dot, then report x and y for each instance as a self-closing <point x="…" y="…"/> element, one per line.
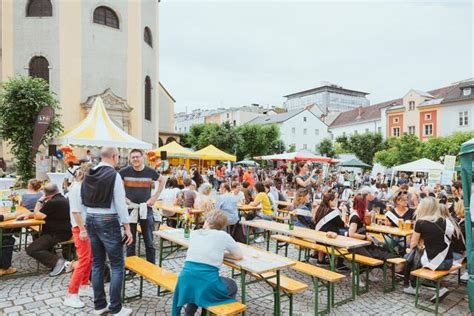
<point x="104" y="206"/>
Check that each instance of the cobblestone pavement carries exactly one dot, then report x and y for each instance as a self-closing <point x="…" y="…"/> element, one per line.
<point x="43" y="295"/>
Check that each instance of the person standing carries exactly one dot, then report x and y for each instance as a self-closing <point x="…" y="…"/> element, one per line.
<point x="79" y="283"/>
<point x="103" y="194"/>
<point x="138" y="180"/>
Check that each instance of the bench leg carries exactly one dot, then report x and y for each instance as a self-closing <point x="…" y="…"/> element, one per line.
<point x="316" y="296"/>
<point x="417" y="292"/>
<point x="242" y="288"/>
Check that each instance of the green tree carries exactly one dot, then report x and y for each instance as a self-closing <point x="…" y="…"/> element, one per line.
<point x="400" y="150"/>
<point x="258" y="140"/>
<point x="326" y="148"/>
<point x="245" y="141"/>
<point x="21" y="99"/>
<point x="364" y="146"/>
<point x="437" y="147"/>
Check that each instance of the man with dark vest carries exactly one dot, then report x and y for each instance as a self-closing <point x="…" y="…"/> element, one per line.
<point x="103" y="194"/>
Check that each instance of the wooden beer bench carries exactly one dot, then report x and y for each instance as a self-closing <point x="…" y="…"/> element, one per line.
<point x="359" y="259"/>
<point x="319" y="275"/>
<point x="287" y="285"/>
<point x="424" y="274"/>
<point x="168" y="280"/>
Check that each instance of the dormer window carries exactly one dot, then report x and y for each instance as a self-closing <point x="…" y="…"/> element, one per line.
<point x="466" y="91"/>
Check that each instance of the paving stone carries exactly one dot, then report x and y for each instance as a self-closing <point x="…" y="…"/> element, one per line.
<point x="12" y="309"/>
<point x="44" y="295"/>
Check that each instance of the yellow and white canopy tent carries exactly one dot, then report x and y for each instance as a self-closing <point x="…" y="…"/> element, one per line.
<point x="208" y="156"/>
<point x="98" y="130"/>
<point x="213" y="153"/>
<point x="175" y="150"/>
<point x="177" y="154"/>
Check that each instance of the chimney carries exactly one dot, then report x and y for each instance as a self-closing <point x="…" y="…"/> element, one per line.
<point x="359" y="109"/>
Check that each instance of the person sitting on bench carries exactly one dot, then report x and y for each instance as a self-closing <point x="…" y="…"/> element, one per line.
<point x="53" y="208"/>
<point x="430" y="243"/>
<point x="7" y="246"/>
<point x="199" y="283"/>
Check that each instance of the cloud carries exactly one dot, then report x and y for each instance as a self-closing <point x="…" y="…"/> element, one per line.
<point x="230" y="53"/>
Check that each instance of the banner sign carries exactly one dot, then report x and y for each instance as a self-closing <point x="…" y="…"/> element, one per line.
<point x="434" y="176"/>
<point x="449" y="162"/>
<point x="44" y="118"/>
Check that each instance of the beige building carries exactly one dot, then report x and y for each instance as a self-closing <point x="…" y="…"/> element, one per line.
<point x="166" y="117"/>
<point x="85" y="49"/>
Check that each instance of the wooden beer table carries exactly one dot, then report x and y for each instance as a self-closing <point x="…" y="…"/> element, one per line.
<point x="333" y="245"/>
<point x="388" y="233"/>
<point x="14" y="227"/>
<point x="178" y="210"/>
<point x="247" y="208"/>
<point x="255" y="261"/>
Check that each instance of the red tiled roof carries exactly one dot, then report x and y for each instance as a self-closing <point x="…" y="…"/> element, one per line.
<point x="373" y="112"/>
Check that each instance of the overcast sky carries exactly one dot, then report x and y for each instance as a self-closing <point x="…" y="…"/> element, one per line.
<point x="228" y="53"/>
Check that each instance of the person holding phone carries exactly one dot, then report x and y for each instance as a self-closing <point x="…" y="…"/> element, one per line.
<point x="304" y="179"/>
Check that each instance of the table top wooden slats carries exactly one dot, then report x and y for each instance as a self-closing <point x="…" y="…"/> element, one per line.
<point x="389" y="230"/>
<point x="254" y="260"/>
<point x="175" y="208"/>
<point x="309" y="234"/>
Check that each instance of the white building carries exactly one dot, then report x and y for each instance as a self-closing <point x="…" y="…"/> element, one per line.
<point x="359" y="121"/>
<point x="85" y="49"/>
<point x="184" y="121"/>
<point x="236" y="116"/>
<point x="328" y="98"/>
<point x="300" y="128"/>
<point x="457" y="109"/>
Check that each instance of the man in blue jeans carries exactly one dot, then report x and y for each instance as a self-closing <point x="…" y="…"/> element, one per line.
<point x="103" y="195"/>
<point x="138" y="180"/>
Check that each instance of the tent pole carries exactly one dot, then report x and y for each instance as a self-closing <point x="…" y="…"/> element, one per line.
<point x="466" y="174"/>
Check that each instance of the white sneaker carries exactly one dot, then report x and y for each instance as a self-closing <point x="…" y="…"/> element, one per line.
<point x="101" y="311"/>
<point x="124" y="312"/>
<point x="86" y="290"/>
<point x="69" y="266"/>
<point x="73" y="300"/>
<point x="409" y="290"/>
<point x="259" y="239"/>
<point x="443" y="292"/>
<point x="465" y="276"/>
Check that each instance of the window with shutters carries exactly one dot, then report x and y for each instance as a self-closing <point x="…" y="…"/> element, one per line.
<point x="147" y="36"/>
<point x="39" y="8"/>
<point x="39" y="68"/>
<point x="106" y="16"/>
<point x="147" y="98"/>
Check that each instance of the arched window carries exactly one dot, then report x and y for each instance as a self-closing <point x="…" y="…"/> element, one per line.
<point x="39" y="8"/>
<point x="147" y="36"/>
<point x="106" y="16"/>
<point x="147" y="98"/>
<point x="39" y="68"/>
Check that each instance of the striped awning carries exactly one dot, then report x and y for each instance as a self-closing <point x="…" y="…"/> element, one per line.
<point x="98" y="130"/>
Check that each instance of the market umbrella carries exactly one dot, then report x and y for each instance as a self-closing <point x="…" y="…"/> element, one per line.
<point x="247" y="163"/>
<point x="297" y="156"/>
<point x="354" y="163"/>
